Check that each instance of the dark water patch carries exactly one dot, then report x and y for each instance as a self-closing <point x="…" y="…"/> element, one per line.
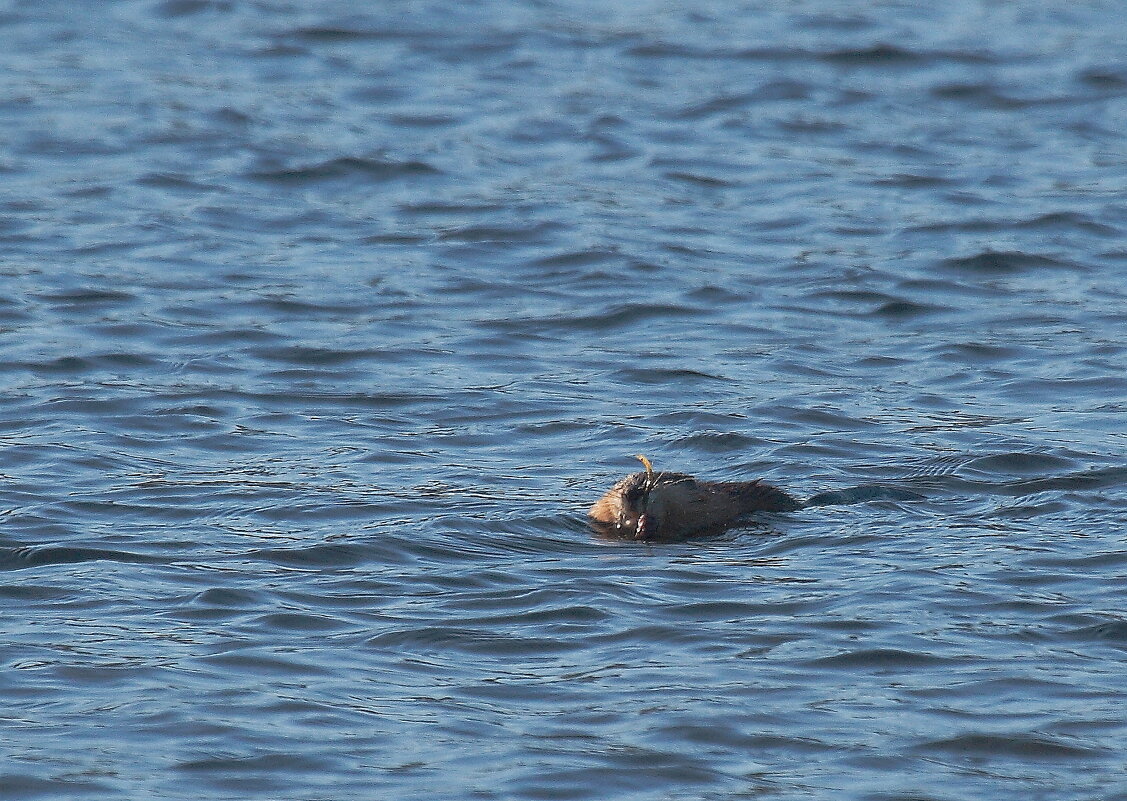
<point x="1024" y="462"/>
<point x="977" y="352"/>
<point x="361" y="31"/>
<point x="325" y="556"/>
<point x="303" y="355"/>
<point x="34" y="592"/>
<point x="881" y="659"/>
<point x="643" y="634"/>
<point x="298" y="622"/>
<point x="173" y="9"/>
<point x="1024" y="511"/>
<point x="879" y="55"/>
<point x="976" y="94"/>
<point x="1109" y="631"/>
<point x="46" y="555"/>
<point x="180" y="182"/>
<point x="865" y="493"/>
<point x="522" y="232"/>
<point x="23" y="785"/>
<point x="855" y="297"/>
<point x="733" y="611"/>
<point x="715" y="295"/>
<point x="991" y="262"/>
<point x="1103" y="77"/>
<point x="397" y="238"/>
<point x="717" y="442"/>
<point x="1067" y="221"/>
<point x="256" y="661"/>
<point x="288" y="305"/>
<point x="227" y="597"/>
<point x="557" y="616"/>
<point x="487" y="642"/>
<point x="365" y="169"/>
<point x="270" y="769"/>
<point x="1083" y="480"/>
<point x="86" y="298"/>
<point x="653" y="375"/>
<point x="723" y="103"/>
<point x="997" y="689"/>
<point x="699" y="179"/>
<point x="420" y="118"/>
<point x="980" y="746"/>
<point x="66" y="365"/>
<point x="914" y="181"/>
<point x="440" y="208"/>
<point x="829" y="419"/>
<point x="681" y="50"/>
<point x="1087" y="563"/>
<point x="631" y="771"/>
<point x="608" y="318"/>
<point x="904" y="309"/>
<point x="1067" y="388"/>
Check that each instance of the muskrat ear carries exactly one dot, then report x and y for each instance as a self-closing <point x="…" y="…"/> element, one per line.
<point x="649" y="467"/>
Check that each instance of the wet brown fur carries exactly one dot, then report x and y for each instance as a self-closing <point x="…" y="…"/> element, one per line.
<point x="673" y="506"/>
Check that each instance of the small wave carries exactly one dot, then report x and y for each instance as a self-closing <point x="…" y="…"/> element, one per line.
<point x="39" y="556"/>
<point x="86" y="297"/>
<point x="272" y="765"/>
<point x="610" y="318"/>
<point x="994" y="262"/>
<point x="331" y="33"/>
<point x="914" y="181"/>
<point x="579" y="258"/>
<point x="469" y="640"/>
<point x="371" y="169"/>
<point x="656" y="375"/>
<point x="863" y="494"/>
<point x="713" y="105"/>
<point x="1084" y="480"/>
<point x="523" y="232"/>
<point x="962" y="352"/>
<point x="1084" y="564"/>
<point x="901" y="309"/>
<point x="982" y="95"/>
<point x="717" y="442"/>
<point x="1113" y="631"/>
<point x="880" y="658"/>
<point x="1020" y="746"/>
<point x="733" y="611"/>
<point x="228" y="597"/>
<point x="319" y="556"/>
<point x="877" y="54"/>
<point x="1018" y="462"/>
<point x="313" y="356"/>
<point x="699" y="179"/>
<point x="20" y="785"/>
<point x="1067" y="221"/>
<point x="294" y="621"/>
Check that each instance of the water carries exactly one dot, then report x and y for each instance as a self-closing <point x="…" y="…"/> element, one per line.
<point x="321" y="326"/>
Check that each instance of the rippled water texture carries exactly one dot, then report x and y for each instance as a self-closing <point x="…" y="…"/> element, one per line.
<point x="321" y="325"/>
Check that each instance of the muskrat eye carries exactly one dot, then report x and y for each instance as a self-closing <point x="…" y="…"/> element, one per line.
<point x="634" y="497"/>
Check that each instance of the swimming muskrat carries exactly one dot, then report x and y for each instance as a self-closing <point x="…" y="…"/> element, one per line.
<point x="673" y="506"/>
<point x="670" y="506"/>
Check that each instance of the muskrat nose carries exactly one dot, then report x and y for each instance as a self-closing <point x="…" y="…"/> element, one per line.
<point x="645" y="528"/>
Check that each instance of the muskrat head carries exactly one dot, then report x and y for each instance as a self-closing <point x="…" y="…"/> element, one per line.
<point x="640" y="513"/>
<point x="635" y="520"/>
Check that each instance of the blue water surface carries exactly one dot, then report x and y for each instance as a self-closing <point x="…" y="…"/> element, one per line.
<point x="321" y="325"/>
